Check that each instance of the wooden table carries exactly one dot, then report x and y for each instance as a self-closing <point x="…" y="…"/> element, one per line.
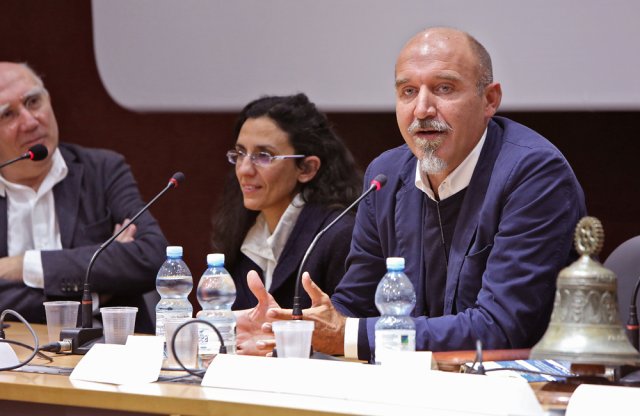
<point x="24" y="393"/>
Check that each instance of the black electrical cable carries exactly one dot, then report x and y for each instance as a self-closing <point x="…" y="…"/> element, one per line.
<point x="29" y="347"/>
<point x="222" y="350"/>
<point x="33" y="333"/>
<point x="482" y="371"/>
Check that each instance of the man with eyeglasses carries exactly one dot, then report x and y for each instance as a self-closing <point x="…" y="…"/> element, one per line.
<point x="55" y="213"/>
<point x="482" y="209"/>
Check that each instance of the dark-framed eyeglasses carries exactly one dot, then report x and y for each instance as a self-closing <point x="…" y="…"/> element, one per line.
<point x="258" y="159"/>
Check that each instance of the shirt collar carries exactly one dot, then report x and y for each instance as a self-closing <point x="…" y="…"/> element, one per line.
<point x="458" y="179"/>
<point x="57" y="173"/>
<point x="264" y="248"/>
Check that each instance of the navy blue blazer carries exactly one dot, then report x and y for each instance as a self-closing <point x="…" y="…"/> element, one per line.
<point x="98" y="192"/>
<point x="513" y="235"/>
<point x="326" y="264"/>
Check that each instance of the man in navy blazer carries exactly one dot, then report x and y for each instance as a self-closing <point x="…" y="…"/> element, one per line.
<point x="55" y="213"/>
<point x="482" y="209"/>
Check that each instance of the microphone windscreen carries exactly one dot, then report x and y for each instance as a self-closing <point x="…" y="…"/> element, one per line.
<point x="379" y="181"/>
<point x="177" y="178"/>
<point x="38" y="152"/>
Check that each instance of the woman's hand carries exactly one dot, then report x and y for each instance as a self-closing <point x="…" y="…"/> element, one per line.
<point x="251" y="339"/>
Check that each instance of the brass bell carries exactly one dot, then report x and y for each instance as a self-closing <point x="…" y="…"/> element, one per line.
<point x="585" y="327"/>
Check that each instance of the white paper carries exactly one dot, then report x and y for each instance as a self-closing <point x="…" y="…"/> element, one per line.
<point x="589" y="399"/>
<point x="385" y="385"/>
<point x="138" y="361"/>
<point x="409" y="360"/>
<point x="8" y="357"/>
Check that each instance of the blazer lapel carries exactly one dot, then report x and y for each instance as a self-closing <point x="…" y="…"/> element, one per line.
<point x="67" y="200"/>
<point x="3" y="227"/>
<point x="408" y="233"/>
<point x="306" y="228"/>
<point x="468" y="218"/>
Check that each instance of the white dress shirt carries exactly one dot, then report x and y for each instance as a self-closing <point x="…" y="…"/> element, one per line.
<point x="264" y="248"/>
<point x="32" y="223"/>
<point x="456" y="181"/>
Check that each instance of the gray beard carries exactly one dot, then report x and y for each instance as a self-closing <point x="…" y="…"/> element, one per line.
<point x="430" y="164"/>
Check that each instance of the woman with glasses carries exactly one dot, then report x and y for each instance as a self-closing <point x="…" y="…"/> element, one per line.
<point x="293" y="176"/>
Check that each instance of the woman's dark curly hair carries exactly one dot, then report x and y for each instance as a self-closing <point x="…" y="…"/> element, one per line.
<point x="336" y="184"/>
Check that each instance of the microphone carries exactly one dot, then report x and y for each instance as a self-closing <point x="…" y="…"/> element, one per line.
<point x="378" y="182"/>
<point x="80" y="336"/>
<point x="632" y="327"/>
<point x="35" y="153"/>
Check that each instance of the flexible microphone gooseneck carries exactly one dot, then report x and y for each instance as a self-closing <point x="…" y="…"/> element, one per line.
<point x="87" y="301"/>
<point x="377" y="183"/>
<point x="480" y="370"/>
<point x="80" y="336"/>
<point x="35" y="153"/>
<point x="632" y="327"/>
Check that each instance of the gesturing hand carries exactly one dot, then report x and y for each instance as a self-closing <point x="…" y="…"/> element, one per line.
<point x="328" y="333"/>
<point x="251" y="340"/>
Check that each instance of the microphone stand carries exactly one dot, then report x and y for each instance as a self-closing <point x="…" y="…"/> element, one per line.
<point x="377" y="183"/>
<point x="296" y="313"/>
<point x="82" y="339"/>
<point x="8" y="162"/>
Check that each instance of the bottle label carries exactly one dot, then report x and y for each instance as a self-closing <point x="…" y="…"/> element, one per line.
<point x="394" y="340"/>
<point x="208" y="342"/>
<point x="163" y="316"/>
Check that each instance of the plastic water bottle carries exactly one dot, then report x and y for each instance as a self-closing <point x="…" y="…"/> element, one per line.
<point x="174" y="283"/>
<point x="395" y="299"/>
<point x="216" y="293"/>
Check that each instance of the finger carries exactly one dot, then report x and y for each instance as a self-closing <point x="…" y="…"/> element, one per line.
<point x="127" y="236"/>
<point x="266" y="345"/>
<point x="267" y="328"/>
<point x="129" y="233"/>
<point x="315" y="293"/>
<point x="242" y="349"/>
<point x="132" y="230"/>
<point x="275" y="314"/>
<point x="257" y="287"/>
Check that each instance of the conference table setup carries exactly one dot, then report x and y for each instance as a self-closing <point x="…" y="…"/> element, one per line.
<point x="260" y="385"/>
<point x="45" y="387"/>
<point x="581" y="366"/>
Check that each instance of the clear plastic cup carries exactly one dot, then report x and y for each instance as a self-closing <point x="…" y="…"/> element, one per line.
<point x="186" y="343"/>
<point x="118" y="323"/>
<point x="60" y="314"/>
<point x="293" y="338"/>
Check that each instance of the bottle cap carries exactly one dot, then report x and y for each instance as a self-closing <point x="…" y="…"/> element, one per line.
<point x="174" y="251"/>
<point x="395" y="263"/>
<point x="215" y="259"/>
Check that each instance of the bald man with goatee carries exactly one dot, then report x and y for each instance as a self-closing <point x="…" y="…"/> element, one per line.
<point x="482" y="209"/>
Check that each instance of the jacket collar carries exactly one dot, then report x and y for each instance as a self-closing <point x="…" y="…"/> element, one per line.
<point x="309" y="223"/>
<point x="67" y="196"/>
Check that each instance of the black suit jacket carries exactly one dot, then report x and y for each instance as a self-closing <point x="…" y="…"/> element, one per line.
<point x="98" y="192"/>
<point x="326" y="264"/>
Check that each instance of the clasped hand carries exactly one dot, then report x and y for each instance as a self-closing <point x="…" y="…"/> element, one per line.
<point x="255" y="336"/>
